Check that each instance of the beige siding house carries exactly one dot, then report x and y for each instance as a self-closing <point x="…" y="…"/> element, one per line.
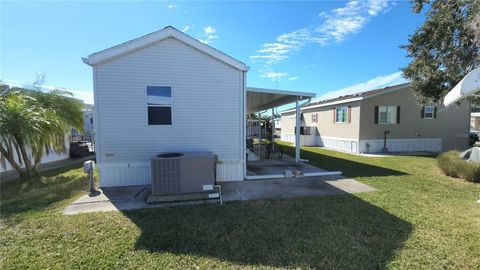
<point x="475" y="121"/>
<point x="387" y="118"/>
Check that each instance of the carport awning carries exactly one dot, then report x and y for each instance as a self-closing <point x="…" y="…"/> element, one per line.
<point x="259" y="99"/>
<point x="468" y="86"/>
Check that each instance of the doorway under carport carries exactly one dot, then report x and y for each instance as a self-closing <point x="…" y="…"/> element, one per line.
<point x="264" y="158"/>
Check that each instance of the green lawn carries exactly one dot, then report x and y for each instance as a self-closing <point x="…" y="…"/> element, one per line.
<point x="418" y="219"/>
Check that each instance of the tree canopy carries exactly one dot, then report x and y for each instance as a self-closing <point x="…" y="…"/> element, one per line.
<point x="445" y="48"/>
<point x="35" y="123"/>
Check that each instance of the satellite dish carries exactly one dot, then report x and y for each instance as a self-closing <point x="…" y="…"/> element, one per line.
<point x="467" y="87"/>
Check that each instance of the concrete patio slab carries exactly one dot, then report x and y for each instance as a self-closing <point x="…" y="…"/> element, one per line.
<point x="122" y="198"/>
<point x="134" y="197"/>
<point x="278" y="166"/>
<point x="293" y="187"/>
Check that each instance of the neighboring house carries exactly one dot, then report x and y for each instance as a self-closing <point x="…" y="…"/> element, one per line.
<point x="278" y="123"/>
<point x="255" y="128"/>
<point x="88" y="127"/>
<point x="167" y="91"/>
<point x="475" y="121"/>
<point x="47" y="158"/>
<point x="358" y="123"/>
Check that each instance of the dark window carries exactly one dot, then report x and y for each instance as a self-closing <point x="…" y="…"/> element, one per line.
<point x="159" y="115"/>
<point x="159" y="102"/>
<point x="91" y="121"/>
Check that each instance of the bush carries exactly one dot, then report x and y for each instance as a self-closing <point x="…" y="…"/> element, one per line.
<point x="451" y="164"/>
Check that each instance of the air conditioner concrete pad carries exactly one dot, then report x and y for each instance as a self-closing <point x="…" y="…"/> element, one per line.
<point x="178" y="197"/>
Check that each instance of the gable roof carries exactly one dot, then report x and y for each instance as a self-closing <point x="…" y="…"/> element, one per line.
<point x="146" y="40"/>
<point x="353" y="97"/>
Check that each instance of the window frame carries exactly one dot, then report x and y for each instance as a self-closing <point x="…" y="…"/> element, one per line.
<point x="425" y="112"/>
<point x="394" y="118"/>
<point x="346" y="115"/>
<point x="314" y="117"/>
<point x="159" y="105"/>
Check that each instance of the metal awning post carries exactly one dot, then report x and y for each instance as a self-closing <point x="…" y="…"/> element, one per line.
<point x="273" y="131"/>
<point x="297" y="130"/>
<point x="259" y="148"/>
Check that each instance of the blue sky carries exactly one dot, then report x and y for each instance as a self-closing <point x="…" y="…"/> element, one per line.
<point x="327" y="47"/>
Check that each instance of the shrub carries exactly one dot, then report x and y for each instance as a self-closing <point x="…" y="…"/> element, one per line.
<point x="451" y="164"/>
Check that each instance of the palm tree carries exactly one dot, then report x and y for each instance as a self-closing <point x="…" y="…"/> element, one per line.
<point x="35" y="123"/>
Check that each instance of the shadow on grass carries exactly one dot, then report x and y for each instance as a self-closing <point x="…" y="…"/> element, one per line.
<point x="348" y="168"/>
<point x="334" y="232"/>
<point x="61" y="183"/>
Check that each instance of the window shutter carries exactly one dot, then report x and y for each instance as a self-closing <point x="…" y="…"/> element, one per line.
<point x="334" y="115"/>
<point x="398" y="114"/>
<point x="434" y="112"/>
<point x="376" y="114"/>
<point x="349" y="114"/>
<point x="422" y="113"/>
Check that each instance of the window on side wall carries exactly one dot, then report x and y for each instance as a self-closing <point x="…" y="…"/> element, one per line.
<point x="314" y="118"/>
<point x="387" y="115"/>
<point x="341" y="115"/>
<point x="429" y="112"/>
<point x="159" y="102"/>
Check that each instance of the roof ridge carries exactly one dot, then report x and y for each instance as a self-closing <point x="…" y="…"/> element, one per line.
<point x="166" y="32"/>
<point x="363" y="93"/>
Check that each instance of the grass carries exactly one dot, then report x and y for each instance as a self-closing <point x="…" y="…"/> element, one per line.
<point x="418" y="218"/>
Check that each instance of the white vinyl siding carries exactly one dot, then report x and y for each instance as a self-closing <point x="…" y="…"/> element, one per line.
<point x="207" y="98"/>
<point x="387" y="115"/>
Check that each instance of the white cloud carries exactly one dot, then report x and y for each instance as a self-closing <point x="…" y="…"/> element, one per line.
<point x="293" y="78"/>
<point x="171" y="6"/>
<point x="85" y="96"/>
<point x="375" y="83"/>
<point x="273" y="75"/>
<point x="209" y="34"/>
<point x="209" y="30"/>
<point x="336" y="25"/>
<point x="186" y="28"/>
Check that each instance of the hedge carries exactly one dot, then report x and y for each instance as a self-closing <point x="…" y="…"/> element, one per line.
<point x="452" y="165"/>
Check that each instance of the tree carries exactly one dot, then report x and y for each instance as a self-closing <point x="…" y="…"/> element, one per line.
<point x="444" y="49"/>
<point x="34" y="123"/>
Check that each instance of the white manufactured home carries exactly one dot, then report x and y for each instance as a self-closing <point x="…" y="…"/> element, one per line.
<point x="167" y="91"/>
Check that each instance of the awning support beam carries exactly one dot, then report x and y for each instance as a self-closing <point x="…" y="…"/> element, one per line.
<point x="297" y="130"/>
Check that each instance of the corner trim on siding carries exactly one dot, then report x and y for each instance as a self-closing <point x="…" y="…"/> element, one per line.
<point x="96" y="116"/>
